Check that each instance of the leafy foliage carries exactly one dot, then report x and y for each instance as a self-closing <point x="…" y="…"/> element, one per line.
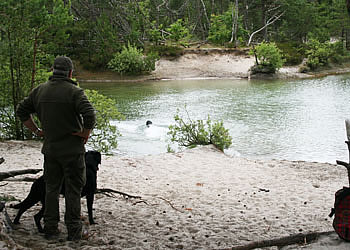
<point x="268" y="55"/>
<point x="104" y="135"/>
<point x="192" y="133"/>
<point x="320" y="54"/>
<point x="178" y="31"/>
<point x="9" y="124"/>
<point x="27" y="31"/>
<point x="317" y="54"/>
<point x="220" y="30"/>
<point x="292" y="53"/>
<point x="155" y="33"/>
<point x="132" y="61"/>
<point x="339" y="53"/>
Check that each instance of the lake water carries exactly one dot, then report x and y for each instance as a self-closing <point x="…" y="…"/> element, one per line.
<point x="294" y="120"/>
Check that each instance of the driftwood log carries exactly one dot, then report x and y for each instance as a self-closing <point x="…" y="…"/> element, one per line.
<point x="5" y="175"/>
<point x="284" y="241"/>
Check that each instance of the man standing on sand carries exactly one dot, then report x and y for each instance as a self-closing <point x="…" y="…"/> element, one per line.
<point x="67" y="118"/>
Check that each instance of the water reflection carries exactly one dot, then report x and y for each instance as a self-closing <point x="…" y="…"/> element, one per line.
<point x="295" y="120"/>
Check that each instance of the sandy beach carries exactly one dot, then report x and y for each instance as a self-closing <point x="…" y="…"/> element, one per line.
<point x="195" y="199"/>
<point x="204" y="65"/>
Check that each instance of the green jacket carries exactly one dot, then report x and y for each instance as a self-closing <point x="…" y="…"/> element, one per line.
<point x="62" y="109"/>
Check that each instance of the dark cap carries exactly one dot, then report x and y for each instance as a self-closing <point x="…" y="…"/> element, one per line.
<point x="63" y="63"/>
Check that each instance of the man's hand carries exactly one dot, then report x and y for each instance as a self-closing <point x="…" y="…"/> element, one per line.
<point x="30" y="124"/>
<point x="83" y="134"/>
<point x="39" y="132"/>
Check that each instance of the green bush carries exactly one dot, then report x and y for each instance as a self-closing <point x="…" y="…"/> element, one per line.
<point x="339" y="53"/>
<point x="220" y="30"/>
<point x="318" y="54"/>
<point x="104" y="135"/>
<point x="178" y="31"/>
<point x="8" y="128"/>
<point x="268" y="55"/>
<point x="192" y="133"/>
<point x="132" y="61"/>
<point x="154" y="33"/>
<point x="292" y="53"/>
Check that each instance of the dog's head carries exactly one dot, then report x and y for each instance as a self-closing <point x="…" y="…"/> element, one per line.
<point x="92" y="160"/>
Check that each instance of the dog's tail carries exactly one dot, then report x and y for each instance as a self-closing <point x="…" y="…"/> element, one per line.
<point x="25" y="204"/>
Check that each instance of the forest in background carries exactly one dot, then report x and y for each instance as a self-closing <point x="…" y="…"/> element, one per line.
<point x="91" y="32"/>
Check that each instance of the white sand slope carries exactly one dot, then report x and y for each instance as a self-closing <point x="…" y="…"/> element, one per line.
<point x="196" y="199"/>
<point x="193" y="65"/>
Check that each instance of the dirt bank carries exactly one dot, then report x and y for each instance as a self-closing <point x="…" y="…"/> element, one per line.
<point x="206" y="64"/>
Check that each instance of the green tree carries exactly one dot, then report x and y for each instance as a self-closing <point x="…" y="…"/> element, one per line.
<point x="220" y="31"/>
<point x="178" y="31"/>
<point x="104" y="135"/>
<point x="318" y="54"/>
<point x="27" y="29"/>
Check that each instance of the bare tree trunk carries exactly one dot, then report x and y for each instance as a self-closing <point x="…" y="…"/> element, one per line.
<point x="269" y="22"/>
<point x="246" y="14"/>
<point x="35" y="46"/>
<point x="14" y="88"/>
<point x="205" y="13"/>
<point x="347" y="38"/>
<point x="236" y="26"/>
<point x="234" y="23"/>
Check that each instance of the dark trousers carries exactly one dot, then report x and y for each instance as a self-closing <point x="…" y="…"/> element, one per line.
<point x="72" y="170"/>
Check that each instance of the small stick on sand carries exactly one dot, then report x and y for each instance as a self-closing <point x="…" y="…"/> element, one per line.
<point x="107" y="191"/>
<point x="171" y="204"/>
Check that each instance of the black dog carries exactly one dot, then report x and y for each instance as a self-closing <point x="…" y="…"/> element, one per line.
<point x="37" y="191"/>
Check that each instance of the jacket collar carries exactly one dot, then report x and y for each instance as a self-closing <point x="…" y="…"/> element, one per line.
<point x="62" y="78"/>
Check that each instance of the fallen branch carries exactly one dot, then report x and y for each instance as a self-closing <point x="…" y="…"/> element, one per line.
<point x="5" y="175"/>
<point x="107" y="191"/>
<point x="171" y="204"/>
<point x="26" y="179"/>
<point x="284" y="241"/>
